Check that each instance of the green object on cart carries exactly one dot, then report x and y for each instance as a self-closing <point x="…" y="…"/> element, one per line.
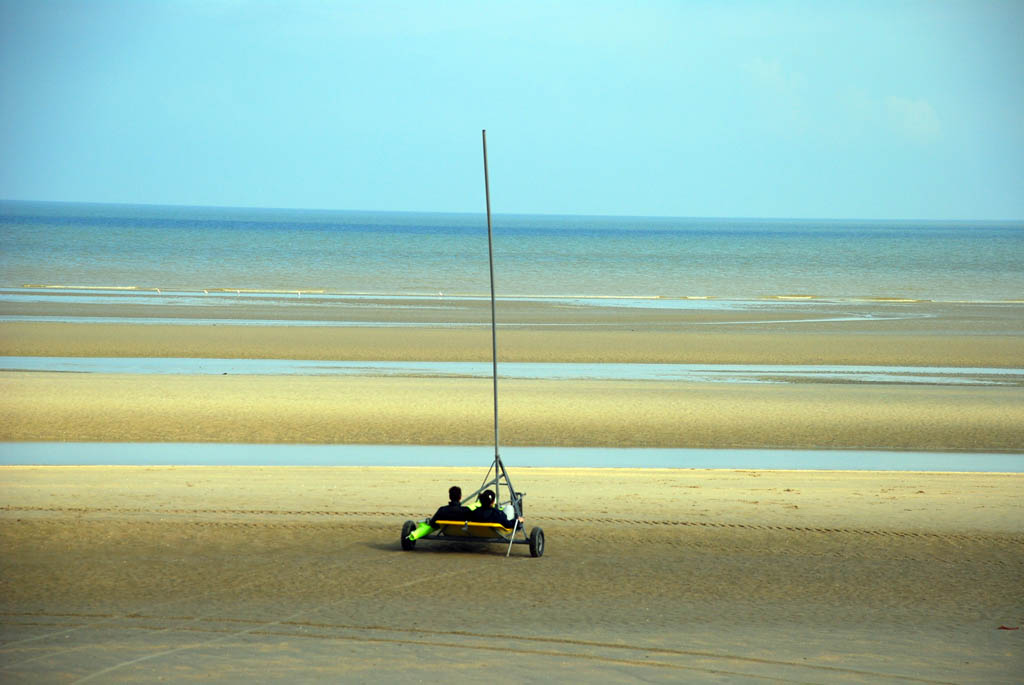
<point x="421" y="530"/>
<point x="425" y="528"/>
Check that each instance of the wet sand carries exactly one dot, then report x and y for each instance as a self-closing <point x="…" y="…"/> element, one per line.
<point x="438" y="411"/>
<point x="136" y="574"/>
<point x="418" y="410"/>
<point x="922" y="334"/>
<point x="242" y="574"/>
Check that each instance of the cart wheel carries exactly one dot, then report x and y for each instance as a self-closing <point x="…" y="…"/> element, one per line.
<point x="408" y="527"/>
<point x="536" y="542"/>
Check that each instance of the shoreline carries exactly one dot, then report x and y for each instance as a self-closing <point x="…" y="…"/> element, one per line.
<point x="84" y="292"/>
<point x="455" y="456"/>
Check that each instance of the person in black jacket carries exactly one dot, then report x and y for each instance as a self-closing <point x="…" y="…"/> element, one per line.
<point x="453" y="511"/>
<point x="488" y="514"/>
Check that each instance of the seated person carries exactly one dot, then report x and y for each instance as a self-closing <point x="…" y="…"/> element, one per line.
<point x="453" y="511"/>
<point x="488" y="514"/>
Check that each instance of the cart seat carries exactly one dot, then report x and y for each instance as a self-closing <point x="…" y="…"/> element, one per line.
<point x="472" y="529"/>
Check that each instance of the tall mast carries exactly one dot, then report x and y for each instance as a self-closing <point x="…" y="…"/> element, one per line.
<point x="494" y="327"/>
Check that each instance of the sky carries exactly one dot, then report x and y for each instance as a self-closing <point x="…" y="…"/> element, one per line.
<point x="872" y="110"/>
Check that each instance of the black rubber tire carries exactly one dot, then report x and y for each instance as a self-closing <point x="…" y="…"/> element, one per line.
<point x="536" y="542"/>
<point x="408" y="527"/>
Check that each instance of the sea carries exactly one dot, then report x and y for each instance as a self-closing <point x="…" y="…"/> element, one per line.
<point x="191" y="249"/>
<point x="176" y="254"/>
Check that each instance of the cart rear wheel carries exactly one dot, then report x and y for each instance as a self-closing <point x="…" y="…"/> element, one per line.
<point x="408" y="527"/>
<point x="536" y="542"/>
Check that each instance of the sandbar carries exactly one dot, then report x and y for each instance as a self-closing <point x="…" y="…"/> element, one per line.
<point x="444" y="411"/>
<point x="912" y="343"/>
<point x="40" y="406"/>
<point x="881" y="333"/>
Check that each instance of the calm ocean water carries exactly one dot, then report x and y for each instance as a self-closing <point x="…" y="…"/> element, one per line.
<point x="196" y="248"/>
<point x="219" y="454"/>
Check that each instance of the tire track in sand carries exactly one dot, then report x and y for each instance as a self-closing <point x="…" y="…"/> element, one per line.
<point x="598" y="520"/>
<point x="561" y="648"/>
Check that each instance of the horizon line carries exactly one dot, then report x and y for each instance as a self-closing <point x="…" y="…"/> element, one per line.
<point x="511" y="213"/>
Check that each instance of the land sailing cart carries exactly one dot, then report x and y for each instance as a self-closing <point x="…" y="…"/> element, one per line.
<point x="472" y="531"/>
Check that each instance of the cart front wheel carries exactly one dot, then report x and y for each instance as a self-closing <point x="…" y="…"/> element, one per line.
<point x="410" y="526"/>
<point x="536" y="542"/>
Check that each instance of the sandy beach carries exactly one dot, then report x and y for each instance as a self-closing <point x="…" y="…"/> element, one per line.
<point x="236" y="574"/>
<point x="438" y="411"/>
<point x="435" y="410"/>
<point x="136" y="574"/>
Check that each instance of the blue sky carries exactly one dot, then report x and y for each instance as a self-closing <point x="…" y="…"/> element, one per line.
<point x="755" y="109"/>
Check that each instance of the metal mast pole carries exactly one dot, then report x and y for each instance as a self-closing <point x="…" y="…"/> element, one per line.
<point x="494" y="328"/>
